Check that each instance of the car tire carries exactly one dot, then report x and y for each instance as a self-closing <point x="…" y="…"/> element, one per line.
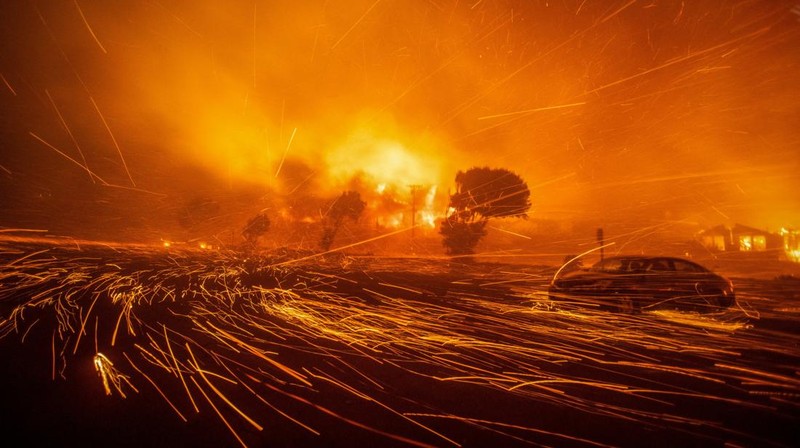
<point x="717" y="298"/>
<point x="723" y="300"/>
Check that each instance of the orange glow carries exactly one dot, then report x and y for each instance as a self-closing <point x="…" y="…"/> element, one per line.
<point x="386" y="162"/>
<point x="617" y="112"/>
<point x="390" y="221"/>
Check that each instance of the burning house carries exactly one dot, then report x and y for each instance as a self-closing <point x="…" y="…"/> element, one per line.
<point x="742" y="241"/>
<point x="791" y="243"/>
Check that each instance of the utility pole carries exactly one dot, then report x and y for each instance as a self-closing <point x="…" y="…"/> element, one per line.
<point x="600" y="241"/>
<point x="414" y="189"/>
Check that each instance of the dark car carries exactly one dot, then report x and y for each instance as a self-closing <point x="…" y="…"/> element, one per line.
<point x="633" y="283"/>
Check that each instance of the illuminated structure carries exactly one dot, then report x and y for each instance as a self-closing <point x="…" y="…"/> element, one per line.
<point x="791" y="243"/>
<point x="744" y="240"/>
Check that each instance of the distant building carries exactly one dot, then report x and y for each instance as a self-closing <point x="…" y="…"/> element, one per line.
<point x="717" y="238"/>
<point x="791" y="244"/>
<point x="745" y="241"/>
<point x="749" y="239"/>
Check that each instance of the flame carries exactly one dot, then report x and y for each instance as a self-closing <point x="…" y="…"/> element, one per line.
<point x="398" y="178"/>
<point x="386" y="162"/>
<point x="392" y="221"/>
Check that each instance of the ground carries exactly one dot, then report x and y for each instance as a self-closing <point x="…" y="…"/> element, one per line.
<point x="139" y="346"/>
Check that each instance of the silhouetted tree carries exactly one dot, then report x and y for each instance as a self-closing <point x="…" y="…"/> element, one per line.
<point x="481" y="193"/>
<point x="255" y="228"/>
<point x="348" y="205"/>
<point x="461" y="237"/>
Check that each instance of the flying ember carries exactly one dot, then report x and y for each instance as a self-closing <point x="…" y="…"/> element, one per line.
<point x="400" y="223"/>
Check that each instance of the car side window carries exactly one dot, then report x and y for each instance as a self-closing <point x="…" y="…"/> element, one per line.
<point x="682" y="266"/>
<point x="659" y="265"/>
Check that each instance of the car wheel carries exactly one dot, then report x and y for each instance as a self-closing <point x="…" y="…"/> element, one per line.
<point x="717" y="298"/>
<point x="723" y="300"/>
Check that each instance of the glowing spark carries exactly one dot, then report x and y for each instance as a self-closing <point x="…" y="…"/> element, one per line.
<point x="720" y="212"/>
<point x="259" y="353"/>
<point x="5" y="81"/>
<point x="579" y="256"/>
<point x="158" y="389"/>
<point x="219" y="414"/>
<point x="506" y="425"/>
<point x="83" y="325"/>
<point x="69" y="132"/>
<point x="280" y="165"/>
<point x="615" y="13"/>
<point x="688" y="57"/>
<point x="86" y="22"/>
<point x="220" y="394"/>
<point x="111" y="376"/>
<point x="255" y="10"/>
<point x="366" y="397"/>
<point x="360" y="19"/>
<point x="60" y="50"/>
<point x="53" y="357"/>
<point x="495" y="331"/>
<point x="119" y="151"/>
<point x="352" y="422"/>
<point x="530" y="111"/>
<point x="67" y="157"/>
<point x="283" y="414"/>
<point x="339" y="249"/>
<point x="512" y="233"/>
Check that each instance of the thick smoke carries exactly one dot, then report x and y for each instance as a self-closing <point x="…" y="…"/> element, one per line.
<point x="188" y="117"/>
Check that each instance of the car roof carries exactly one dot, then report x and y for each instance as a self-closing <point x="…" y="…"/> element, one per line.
<point x="643" y="257"/>
<point x="646" y="259"/>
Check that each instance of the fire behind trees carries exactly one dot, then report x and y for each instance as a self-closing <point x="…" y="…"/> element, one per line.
<point x="481" y="193"/>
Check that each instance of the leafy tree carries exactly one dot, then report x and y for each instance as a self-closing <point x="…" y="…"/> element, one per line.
<point x="490" y="193"/>
<point x="461" y="237"/>
<point x="255" y="228"/>
<point x="348" y="205"/>
<point x="481" y="193"/>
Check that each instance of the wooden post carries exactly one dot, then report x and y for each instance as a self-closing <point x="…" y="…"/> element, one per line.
<point x="600" y="241"/>
<point x="414" y="189"/>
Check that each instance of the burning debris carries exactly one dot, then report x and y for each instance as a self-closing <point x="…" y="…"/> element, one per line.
<point x="244" y="214"/>
<point x="387" y="350"/>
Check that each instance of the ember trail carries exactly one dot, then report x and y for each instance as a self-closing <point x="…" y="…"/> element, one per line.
<point x="400" y="223"/>
<point x="377" y="349"/>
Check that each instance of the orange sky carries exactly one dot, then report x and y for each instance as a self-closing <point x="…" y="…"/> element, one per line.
<point x="612" y="111"/>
